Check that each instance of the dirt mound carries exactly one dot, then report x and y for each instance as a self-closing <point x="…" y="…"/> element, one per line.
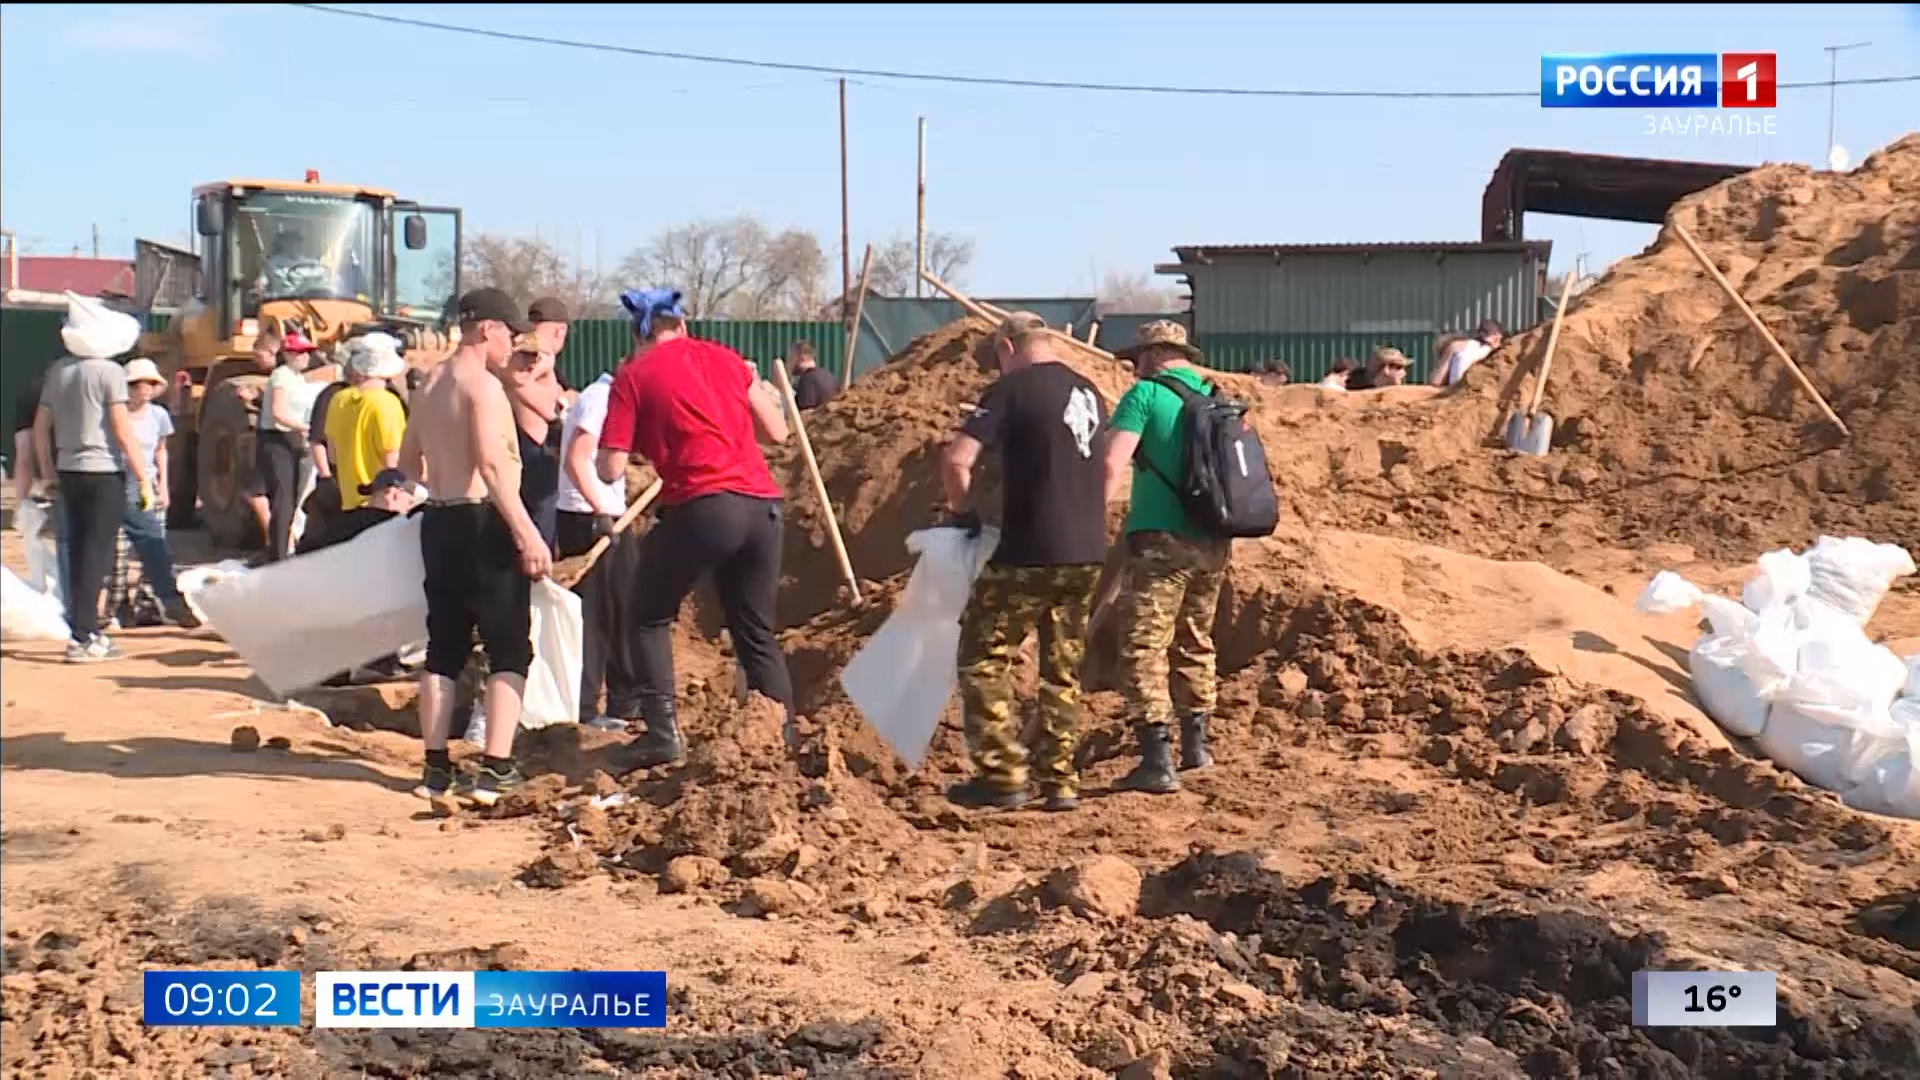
<point x="879" y="446"/>
<point x="769" y="818"/>
<point x="1675" y="422"/>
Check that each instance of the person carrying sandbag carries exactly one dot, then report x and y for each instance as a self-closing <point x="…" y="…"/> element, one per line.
<point x="82" y="435"/>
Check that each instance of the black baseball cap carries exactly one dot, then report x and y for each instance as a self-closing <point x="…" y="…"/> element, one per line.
<point x="384" y="479"/>
<point x="548" y="309"/>
<point x="492" y="305"/>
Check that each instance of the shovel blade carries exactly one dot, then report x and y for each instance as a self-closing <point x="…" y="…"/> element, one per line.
<point x="1516" y="429"/>
<point x="1539" y="435"/>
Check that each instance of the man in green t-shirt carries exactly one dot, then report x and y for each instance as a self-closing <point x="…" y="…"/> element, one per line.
<point x="1175" y="567"/>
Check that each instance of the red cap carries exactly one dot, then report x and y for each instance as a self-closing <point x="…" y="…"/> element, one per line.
<point x="295" y="341"/>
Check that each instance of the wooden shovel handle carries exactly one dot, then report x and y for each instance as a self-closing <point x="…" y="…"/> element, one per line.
<point x="1553" y="339"/>
<point x="621" y="525"/>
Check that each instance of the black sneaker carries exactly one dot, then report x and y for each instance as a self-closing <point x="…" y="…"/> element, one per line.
<point x="436" y="781"/>
<point x="1058" y="800"/>
<point x="980" y="794"/>
<point x="490" y="786"/>
<point x="179" y="614"/>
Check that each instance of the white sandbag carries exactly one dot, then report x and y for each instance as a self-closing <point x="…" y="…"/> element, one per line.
<point x="1667" y="594"/>
<point x="27" y="614"/>
<point x="1912" y="690"/>
<point x="1771" y="657"/>
<point x="1833" y="734"/>
<point x="1723" y="689"/>
<point x="95" y="331"/>
<point x="1784" y="577"/>
<point x="300" y="621"/>
<point x="1852" y="575"/>
<point x="34" y="520"/>
<point x="553" y="682"/>
<point x="904" y="675"/>
<point x="299" y="528"/>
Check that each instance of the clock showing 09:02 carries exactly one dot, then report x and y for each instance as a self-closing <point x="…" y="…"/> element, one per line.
<point x="221" y="998"/>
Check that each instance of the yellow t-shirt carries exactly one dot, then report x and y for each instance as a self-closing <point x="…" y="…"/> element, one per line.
<point x="363" y="427"/>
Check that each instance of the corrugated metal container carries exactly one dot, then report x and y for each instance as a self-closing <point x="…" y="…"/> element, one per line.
<point x="1310" y="356"/>
<point x="599" y="345"/>
<point x="1366" y="289"/>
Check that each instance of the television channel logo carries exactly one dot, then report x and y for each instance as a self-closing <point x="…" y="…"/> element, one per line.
<point x="1658" y="81"/>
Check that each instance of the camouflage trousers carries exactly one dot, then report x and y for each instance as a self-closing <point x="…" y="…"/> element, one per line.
<point x="1166" y="617"/>
<point x="1007" y="604"/>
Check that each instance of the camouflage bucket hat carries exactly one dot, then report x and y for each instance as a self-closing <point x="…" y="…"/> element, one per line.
<point x="1159" y="334"/>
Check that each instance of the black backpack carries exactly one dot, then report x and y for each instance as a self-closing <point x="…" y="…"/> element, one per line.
<point x="1224" y="485"/>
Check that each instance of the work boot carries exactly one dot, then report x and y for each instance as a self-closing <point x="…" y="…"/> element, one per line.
<point x="179" y="614"/>
<point x="1058" y="798"/>
<point x="1154" y="775"/>
<point x="660" y="744"/>
<point x="980" y="793"/>
<point x="1193" y="742"/>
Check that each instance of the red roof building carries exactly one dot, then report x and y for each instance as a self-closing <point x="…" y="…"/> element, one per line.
<point x="61" y="273"/>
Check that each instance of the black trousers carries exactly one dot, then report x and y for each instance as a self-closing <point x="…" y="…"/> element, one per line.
<point x="278" y="455"/>
<point x="577" y="534"/>
<point x="735" y="538"/>
<point x="92" y="504"/>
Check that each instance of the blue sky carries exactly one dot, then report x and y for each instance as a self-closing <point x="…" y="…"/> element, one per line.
<point x="110" y="114"/>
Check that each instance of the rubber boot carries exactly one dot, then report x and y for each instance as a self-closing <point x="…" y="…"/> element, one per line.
<point x="660" y="744"/>
<point x="1154" y="774"/>
<point x="1193" y="743"/>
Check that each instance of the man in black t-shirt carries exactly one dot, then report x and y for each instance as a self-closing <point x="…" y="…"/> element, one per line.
<point x="813" y="385"/>
<point x="1045" y="420"/>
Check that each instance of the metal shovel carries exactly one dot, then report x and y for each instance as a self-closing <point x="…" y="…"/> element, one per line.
<point x="1531" y="432"/>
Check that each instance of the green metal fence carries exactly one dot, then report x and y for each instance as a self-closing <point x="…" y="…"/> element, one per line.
<point x="1310" y="356"/>
<point x="29" y="342"/>
<point x="595" y="346"/>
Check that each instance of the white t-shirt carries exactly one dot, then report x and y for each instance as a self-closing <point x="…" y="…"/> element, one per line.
<point x="1465" y="354"/>
<point x="587" y="413"/>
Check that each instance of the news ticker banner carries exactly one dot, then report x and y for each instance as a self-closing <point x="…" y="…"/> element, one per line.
<point x="1659" y="81"/>
<point x="549" y="999"/>
<point x="409" y="999"/>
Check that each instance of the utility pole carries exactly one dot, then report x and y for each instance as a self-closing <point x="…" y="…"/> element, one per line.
<point x="920" y="218"/>
<point x="1833" y="87"/>
<point x="846" y="248"/>
<point x="96" y="240"/>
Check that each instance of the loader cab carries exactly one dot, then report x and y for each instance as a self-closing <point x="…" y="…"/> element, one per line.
<point x="329" y="256"/>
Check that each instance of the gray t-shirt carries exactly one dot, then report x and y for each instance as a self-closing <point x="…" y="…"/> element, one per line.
<point x="80" y="394"/>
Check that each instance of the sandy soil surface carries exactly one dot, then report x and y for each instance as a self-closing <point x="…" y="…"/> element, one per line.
<point x="1462" y="793"/>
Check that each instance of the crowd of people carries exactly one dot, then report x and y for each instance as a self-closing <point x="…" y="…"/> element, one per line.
<point x="509" y="471"/>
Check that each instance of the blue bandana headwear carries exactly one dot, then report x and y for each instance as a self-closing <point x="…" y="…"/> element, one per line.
<point x="644" y="305"/>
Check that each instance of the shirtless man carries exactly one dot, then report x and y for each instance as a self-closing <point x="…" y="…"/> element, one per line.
<point x="481" y="550"/>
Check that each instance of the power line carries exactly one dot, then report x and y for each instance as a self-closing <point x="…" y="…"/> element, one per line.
<point x="978" y="80"/>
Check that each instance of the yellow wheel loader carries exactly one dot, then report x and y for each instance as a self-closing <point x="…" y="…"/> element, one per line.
<point x="335" y="261"/>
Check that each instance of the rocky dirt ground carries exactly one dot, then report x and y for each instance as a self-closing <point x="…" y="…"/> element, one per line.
<point x="1458" y="801"/>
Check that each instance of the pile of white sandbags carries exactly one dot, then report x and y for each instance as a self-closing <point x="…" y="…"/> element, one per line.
<point x="1791" y="667"/>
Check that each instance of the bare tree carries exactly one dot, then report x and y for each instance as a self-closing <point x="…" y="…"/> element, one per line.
<point x="735" y="269"/>
<point x="1136" y="294"/>
<point x="528" y="268"/>
<point x="893" y="273"/>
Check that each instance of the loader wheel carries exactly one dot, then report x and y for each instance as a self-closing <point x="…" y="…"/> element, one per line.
<point x="226" y="463"/>
<point x="183" y="480"/>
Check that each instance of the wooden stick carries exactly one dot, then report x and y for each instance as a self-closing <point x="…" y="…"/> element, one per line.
<point x="1067" y="329"/>
<point x="1093" y="332"/>
<point x="995" y="315"/>
<point x="853" y="328"/>
<point x="1553" y="338"/>
<point x="819" y="483"/>
<point x="624" y="523"/>
<point x="1772" y="343"/>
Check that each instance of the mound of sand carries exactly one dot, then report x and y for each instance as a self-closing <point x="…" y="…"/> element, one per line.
<point x="1675" y="421"/>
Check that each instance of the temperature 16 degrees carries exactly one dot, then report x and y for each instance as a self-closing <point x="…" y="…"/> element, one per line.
<point x="1715" y="997"/>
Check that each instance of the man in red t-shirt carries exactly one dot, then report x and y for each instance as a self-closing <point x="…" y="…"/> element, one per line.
<point x="696" y="411"/>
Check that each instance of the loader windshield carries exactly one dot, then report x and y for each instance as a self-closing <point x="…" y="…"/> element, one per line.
<point x="299" y="246"/>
